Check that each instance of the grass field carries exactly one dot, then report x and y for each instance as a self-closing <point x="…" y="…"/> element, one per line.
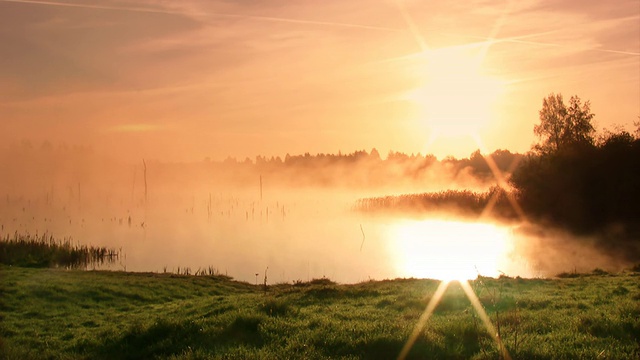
<point x="72" y="314"/>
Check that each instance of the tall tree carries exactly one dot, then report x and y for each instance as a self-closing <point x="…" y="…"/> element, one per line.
<point x="561" y="126"/>
<point x="579" y="126"/>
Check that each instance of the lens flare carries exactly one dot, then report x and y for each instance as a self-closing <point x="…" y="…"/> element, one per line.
<point x="435" y="300"/>
<point x="426" y="314"/>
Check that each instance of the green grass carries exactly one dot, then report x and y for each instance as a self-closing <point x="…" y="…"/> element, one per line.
<point x="70" y="314"/>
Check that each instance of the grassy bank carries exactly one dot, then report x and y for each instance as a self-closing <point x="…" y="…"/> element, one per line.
<point x="55" y="313"/>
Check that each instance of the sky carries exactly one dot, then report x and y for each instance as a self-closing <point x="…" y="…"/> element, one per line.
<point x="184" y="80"/>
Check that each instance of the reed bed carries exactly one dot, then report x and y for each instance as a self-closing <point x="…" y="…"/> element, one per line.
<point x="460" y="201"/>
<point x="46" y="251"/>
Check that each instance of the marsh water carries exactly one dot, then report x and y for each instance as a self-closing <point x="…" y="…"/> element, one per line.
<point x="288" y="235"/>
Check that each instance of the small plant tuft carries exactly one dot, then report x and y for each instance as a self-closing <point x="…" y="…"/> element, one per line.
<point x="275" y="307"/>
<point x="598" y="271"/>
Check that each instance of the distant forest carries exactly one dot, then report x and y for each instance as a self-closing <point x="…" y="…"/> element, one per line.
<point x="66" y="166"/>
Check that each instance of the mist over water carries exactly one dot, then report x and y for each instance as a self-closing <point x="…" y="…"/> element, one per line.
<point x="248" y="224"/>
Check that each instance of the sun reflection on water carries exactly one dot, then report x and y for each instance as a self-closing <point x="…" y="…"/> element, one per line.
<point x="449" y="250"/>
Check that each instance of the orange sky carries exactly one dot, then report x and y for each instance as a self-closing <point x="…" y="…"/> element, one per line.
<point x="184" y="80"/>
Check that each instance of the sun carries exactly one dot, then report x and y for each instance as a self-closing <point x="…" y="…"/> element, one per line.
<point x="456" y="96"/>
<point x="449" y="250"/>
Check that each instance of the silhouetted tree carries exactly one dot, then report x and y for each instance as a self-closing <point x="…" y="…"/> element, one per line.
<point x="561" y="126"/>
<point x="374" y="155"/>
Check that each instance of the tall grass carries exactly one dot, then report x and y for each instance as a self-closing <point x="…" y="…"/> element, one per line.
<point x="46" y="251"/>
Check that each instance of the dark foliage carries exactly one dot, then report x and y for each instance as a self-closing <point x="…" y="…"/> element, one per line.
<point x="586" y="186"/>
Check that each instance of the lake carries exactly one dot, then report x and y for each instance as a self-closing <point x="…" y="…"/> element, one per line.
<point x="291" y="235"/>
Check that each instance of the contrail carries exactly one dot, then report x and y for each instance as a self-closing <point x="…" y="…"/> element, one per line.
<point x="97" y="7"/>
<point x="467" y="45"/>
<point x="518" y="39"/>
<point x="491" y="41"/>
<point x="205" y="14"/>
<point x="495" y="30"/>
<point x="617" y="52"/>
<point x="488" y="41"/>
<point x="307" y="22"/>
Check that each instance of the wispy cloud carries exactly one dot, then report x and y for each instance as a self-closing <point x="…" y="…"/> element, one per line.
<point x="207" y="14"/>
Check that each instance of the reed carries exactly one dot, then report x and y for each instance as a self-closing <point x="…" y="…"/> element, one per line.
<point x="46" y="251"/>
<point x="461" y="201"/>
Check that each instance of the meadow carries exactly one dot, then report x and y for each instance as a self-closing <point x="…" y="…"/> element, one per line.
<point x="72" y="314"/>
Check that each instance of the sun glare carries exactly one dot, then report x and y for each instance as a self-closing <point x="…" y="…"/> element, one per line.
<point x="456" y="96"/>
<point x="449" y="250"/>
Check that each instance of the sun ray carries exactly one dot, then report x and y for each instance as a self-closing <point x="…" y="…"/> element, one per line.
<point x="428" y="311"/>
<point x="502" y="182"/>
<point x="496" y="29"/>
<point x="433" y="303"/>
<point x="412" y="27"/>
<point x="475" y="302"/>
